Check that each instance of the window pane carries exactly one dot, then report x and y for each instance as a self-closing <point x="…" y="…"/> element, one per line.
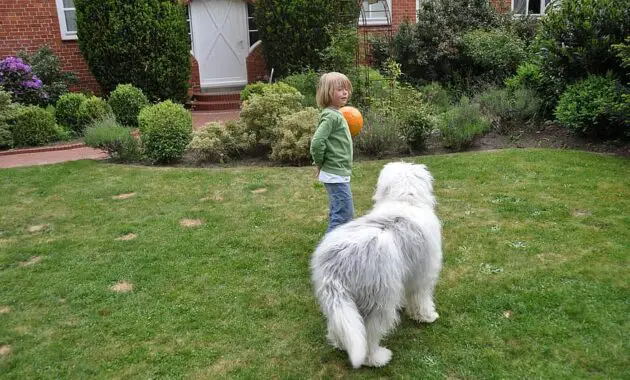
<point x="520" y="6"/>
<point x="71" y="21"/>
<point x="68" y="3"/>
<point x="253" y="38"/>
<point x="534" y="7"/>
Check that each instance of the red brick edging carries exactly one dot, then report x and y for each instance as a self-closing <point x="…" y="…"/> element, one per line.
<point x="40" y="149"/>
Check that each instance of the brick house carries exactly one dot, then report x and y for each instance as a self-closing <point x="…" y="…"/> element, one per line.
<point x="225" y="51"/>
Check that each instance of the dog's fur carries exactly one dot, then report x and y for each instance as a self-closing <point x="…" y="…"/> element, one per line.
<point x="367" y="269"/>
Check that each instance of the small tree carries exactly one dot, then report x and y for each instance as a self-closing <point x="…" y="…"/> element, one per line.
<point x="141" y="42"/>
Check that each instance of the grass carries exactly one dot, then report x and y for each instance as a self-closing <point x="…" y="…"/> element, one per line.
<point x="534" y="285"/>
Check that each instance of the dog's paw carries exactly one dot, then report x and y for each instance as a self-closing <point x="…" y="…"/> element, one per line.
<point x="379" y="357"/>
<point x="426" y="317"/>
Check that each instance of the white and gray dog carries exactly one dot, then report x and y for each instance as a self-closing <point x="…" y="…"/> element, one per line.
<point x="367" y="269"/>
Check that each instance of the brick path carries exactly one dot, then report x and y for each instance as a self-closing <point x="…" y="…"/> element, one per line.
<point x="61" y="153"/>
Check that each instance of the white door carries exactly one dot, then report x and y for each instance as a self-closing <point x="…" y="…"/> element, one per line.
<point x="220" y="45"/>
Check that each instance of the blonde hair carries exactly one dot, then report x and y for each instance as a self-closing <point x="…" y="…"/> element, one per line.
<point x="327" y="84"/>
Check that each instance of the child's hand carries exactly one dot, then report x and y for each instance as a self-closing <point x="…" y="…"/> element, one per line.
<point x="317" y="172"/>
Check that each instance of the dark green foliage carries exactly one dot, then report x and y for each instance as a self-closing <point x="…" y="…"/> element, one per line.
<point x="461" y="124"/>
<point x="45" y="65"/>
<point x="67" y="111"/>
<point x="294" y="33"/>
<point x="492" y="55"/>
<point x="595" y="107"/>
<point x="165" y="130"/>
<point x="416" y="128"/>
<point x="7" y="112"/>
<point x="108" y="135"/>
<point x="126" y="102"/>
<point x="142" y="42"/>
<point x="575" y="40"/>
<point x="510" y="110"/>
<point x="33" y="126"/>
<point x="428" y="50"/>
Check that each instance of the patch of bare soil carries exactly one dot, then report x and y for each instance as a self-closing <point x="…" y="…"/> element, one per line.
<point x="31" y="261"/>
<point x="122" y="287"/>
<point x="190" y="222"/>
<point x="123" y="196"/>
<point x="129" y="236"/>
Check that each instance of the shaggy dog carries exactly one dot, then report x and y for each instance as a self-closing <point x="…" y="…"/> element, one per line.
<point x="367" y="269"/>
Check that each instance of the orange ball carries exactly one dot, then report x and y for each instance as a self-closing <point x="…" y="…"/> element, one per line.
<point x="353" y="118"/>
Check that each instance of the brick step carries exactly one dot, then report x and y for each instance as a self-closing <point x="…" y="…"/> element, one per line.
<point x="216" y="97"/>
<point x="221" y="105"/>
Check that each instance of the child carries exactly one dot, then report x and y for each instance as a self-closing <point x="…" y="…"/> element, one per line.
<point x="331" y="147"/>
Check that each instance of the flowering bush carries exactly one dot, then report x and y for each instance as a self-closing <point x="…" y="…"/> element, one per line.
<point x="17" y="77"/>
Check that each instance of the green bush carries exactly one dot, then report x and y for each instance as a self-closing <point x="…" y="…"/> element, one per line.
<point x="461" y="124"/>
<point x="293" y="33"/>
<point x="293" y="137"/>
<point x="509" y="110"/>
<point x="595" y="107"/>
<point x="67" y="111"/>
<point x="217" y="142"/>
<point x="340" y="54"/>
<point x="253" y="88"/>
<point x="527" y="76"/>
<point x="93" y="109"/>
<point x="429" y="49"/>
<point x="493" y="55"/>
<point x="380" y="135"/>
<point x="108" y="135"/>
<point x="33" y="126"/>
<point x="575" y="39"/>
<point x="306" y="84"/>
<point x="7" y="113"/>
<point x="436" y="96"/>
<point x="45" y="65"/>
<point x="165" y="130"/>
<point x="416" y="128"/>
<point x="126" y="102"/>
<point x="142" y="42"/>
<point x="262" y="113"/>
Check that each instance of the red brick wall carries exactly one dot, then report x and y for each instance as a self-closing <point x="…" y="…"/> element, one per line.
<point x="256" y="66"/>
<point x="29" y="24"/>
<point x="502" y="5"/>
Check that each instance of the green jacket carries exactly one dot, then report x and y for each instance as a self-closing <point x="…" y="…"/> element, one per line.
<point x="331" y="145"/>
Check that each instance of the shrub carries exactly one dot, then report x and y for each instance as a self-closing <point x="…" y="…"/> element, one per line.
<point x="45" y="65"/>
<point x="144" y="42"/>
<point x="165" y="130"/>
<point x="7" y="113"/>
<point x="17" y="77"/>
<point x="436" y="96"/>
<point x="93" y="109"/>
<point x="509" y="109"/>
<point x="594" y="107"/>
<point x="575" y="39"/>
<point x="428" y="50"/>
<point x="262" y="113"/>
<point x="527" y="76"/>
<point x="67" y="111"/>
<point x="108" y="135"/>
<point x="493" y="55"/>
<point x="380" y="134"/>
<point x="253" y="88"/>
<point x="33" y="126"/>
<point x="340" y="54"/>
<point x="218" y="142"/>
<point x="126" y="102"/>
<point x="306" y="84"/>
<point x="293" y="33"/>
<point x="293" y="137"/>
<point x="416" y="127"/>
<point x="461" y="124"/>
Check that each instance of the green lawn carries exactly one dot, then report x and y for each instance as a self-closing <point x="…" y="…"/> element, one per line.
<point x="535" y="281"/>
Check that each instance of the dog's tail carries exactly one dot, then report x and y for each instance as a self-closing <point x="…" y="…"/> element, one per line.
<point x="344" y="321"/>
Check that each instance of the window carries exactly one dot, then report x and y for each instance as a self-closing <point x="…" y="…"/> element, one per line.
<point x="377" y="12"/>
<point x="529" y="7"/>
<point x="67" y="19"/>
<point x="251" y="25"/>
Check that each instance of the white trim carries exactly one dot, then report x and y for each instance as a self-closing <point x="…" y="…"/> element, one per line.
<point x="543" y="8"/>
<point x="254" y="46"/>
<point x="61" y="15"/>
<point x="375" y="20"/>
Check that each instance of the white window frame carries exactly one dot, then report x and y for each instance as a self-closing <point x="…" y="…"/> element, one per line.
<point x="63" y="26"/>
<point x="377" y="20"/>
<point x="543" y="8"/>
